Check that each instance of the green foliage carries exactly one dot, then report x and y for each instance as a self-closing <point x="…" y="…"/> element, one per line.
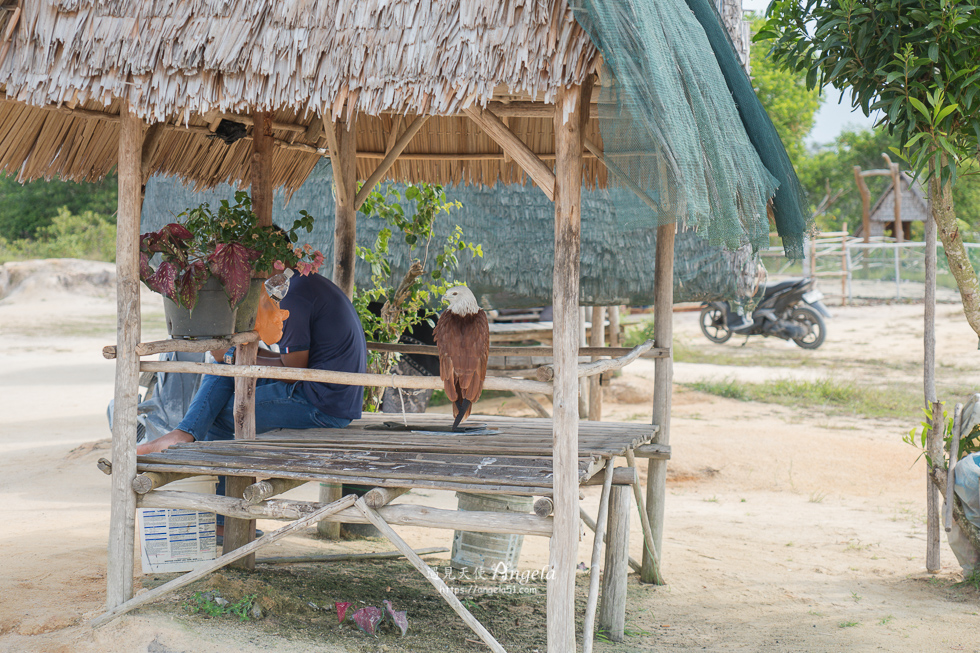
<point x="638" y="334"/>
<point x="784" y="94"/>
<point x="918" y="436"/>
<point x="26" y="208"/>
<point x="211" y="605"/>
<point x="418" y="300"/>
<point x="87" y="236"/>
<point x="919" y="63"/>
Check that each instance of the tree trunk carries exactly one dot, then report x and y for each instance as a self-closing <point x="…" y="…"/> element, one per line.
<point x="956" y="254"/>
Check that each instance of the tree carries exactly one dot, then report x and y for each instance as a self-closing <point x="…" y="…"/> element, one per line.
<point x="919" y="63"/>
<point x="26" y="208"/>
<point x="784" y="94"/>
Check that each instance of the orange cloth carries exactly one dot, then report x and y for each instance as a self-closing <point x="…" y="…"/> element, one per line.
<point x="269" y="320"/>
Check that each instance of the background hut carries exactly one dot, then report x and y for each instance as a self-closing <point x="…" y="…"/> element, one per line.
<point x="914" y="204"/>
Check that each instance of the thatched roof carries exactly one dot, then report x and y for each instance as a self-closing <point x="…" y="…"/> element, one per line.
<point x="67" y="63"/>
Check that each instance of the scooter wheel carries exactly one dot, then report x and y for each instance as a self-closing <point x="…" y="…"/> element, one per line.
<point x="713" y="325"/>
<point x="813" y="322"/>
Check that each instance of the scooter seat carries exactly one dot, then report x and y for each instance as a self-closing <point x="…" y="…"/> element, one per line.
<point x="781" y="286"/>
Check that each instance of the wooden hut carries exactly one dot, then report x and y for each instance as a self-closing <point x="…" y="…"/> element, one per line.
<point x="914" y="208"/>
<point x="476" y="92"/>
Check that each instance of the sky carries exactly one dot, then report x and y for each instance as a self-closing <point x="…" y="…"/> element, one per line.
<point x="832" y="117"/>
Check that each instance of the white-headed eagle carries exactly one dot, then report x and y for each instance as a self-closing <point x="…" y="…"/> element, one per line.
<point x="463" y="337"/>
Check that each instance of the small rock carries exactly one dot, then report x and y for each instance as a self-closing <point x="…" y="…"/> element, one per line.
<point x="221" y="601"/>
<point x="256" y="611"/>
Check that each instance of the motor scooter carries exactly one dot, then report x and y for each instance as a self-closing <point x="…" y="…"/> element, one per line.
<point x="790" y="310"/>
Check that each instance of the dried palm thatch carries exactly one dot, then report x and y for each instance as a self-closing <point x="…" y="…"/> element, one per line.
<point x="66" y="65"/>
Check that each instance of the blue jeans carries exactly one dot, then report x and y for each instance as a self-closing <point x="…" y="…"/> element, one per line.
<point x="278" y="405"/>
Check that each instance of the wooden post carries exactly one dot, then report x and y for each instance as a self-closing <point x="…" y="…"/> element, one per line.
<point x="595" y="382"/>
<point x="612" y="610"/>
<point x="329" y="492"/>
<point x="614" y="326"/>
<point x="865" y="203"/>
<point x="663" y="375"/>
<point x="345" y="227"/>
<point x="583" y="384"/>
<point x="897" y="204"/>
<point x="568" y="206"/>
<point x="262" y="149"/>
<point x="239" y="532"/>
<point x="843" y="265"/>
<point x="929" y="389"/>
<point x="122" y="520"/>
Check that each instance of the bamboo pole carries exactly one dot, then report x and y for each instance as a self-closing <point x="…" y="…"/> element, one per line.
<point x="122" y="520"/>
<point x="430" y="575"/>
<point x="331" y="376"/>
<point x="345" y="226"/>
<point x="218" y="563"/>
<point x="662" y="389"/>
<point x="933" y="563"/>
<point x="595" y="381"/>
<point x="569" y="120"/>
<point x="588" y="628"/>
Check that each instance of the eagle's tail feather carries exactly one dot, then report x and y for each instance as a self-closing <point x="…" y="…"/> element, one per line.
<point x="462" y="410"/>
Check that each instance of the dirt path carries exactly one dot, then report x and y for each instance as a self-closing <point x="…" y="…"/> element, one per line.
<point x="786" y="529"/>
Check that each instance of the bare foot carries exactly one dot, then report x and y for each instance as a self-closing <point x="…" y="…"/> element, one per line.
<point x="155" y="446"/>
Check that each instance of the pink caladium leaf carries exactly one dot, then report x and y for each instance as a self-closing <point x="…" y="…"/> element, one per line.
<point x="169" y="239"/>
<point x="145" y="270"/>
<point x="164" y="280"/>
<point x="190" y="282"/>
<point x="367" y="619"/>
<point x="341" y="610"/>
<point x="399" y="618"/>
<point x="231" y="263"/>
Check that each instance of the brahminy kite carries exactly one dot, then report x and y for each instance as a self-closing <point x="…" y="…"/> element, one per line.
<point x="463" y="338"/>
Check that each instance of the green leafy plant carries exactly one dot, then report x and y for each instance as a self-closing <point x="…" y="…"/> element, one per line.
<point x="418" y="295"/>
<point x="85" y="235"/>
<point x="919" y="435"/>
<point x="226" y="243"/>
<point x="919" y="64"/>
<point x="211" y="605"/>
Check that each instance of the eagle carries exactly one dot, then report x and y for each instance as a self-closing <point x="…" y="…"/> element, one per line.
<point x="463" y="338"/>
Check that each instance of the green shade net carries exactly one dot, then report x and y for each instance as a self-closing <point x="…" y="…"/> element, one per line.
<point x="515" y="225"/>
<point x="671" y="131"/>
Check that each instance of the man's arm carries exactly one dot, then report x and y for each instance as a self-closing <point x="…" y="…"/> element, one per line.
<point x="272" y="359"/>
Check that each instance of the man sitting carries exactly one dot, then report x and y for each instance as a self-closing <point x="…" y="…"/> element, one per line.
<point x="322" y="332"/>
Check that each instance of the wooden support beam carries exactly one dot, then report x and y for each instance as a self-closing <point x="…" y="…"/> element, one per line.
<point x="444" y="591"/>
<point x="148" y="481"/>
<point x="596" y="367"/>
<point x="613" y="326"/>
<point x="239" y="532"/>
<point x="588" y="629"/>
<point x="344" y="557"/>
<point x="569" y="120"/>
<point x="151" y="143"/>
<point x="330" y="492"/>
<point x="595" y="381"/>
<point x="200" y="346"/>
<point x="865" y="203"/>
<point x="612" y="611"/>
<point x="330" y="376"/>
<point x="620" y="476"/>
<point x="544" y="506"/>
<point x="401" y="514"/>
<point x="390" y="157"/>
<point x="262" y="490"/>
<point x="896" y="176"/>
<point x="396" y="126"/>
<point x="380" y="497"/>
<point x="537" y="169"/>
<point x="649" y="547"/>
<point x="208" y="567"/>
<point x="663" y="375"/>
<point x="619" y="174"/>
<point x="933" y="562"/>
<point x="343" y="159"/>
<point x="588" y="521"/>
<point x="122" y="520"/>
<point x="533" y="404"/>
<point x="261" y="168"/>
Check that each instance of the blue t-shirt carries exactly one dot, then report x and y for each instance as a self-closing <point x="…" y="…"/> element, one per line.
<point x="323" y="321"/>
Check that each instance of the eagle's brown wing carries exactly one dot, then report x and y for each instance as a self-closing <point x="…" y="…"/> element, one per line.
<point x="464" y="346"/>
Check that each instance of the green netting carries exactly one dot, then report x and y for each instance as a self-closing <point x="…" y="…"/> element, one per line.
<point x="617" y="264"/>
<point x="671" y="130"/>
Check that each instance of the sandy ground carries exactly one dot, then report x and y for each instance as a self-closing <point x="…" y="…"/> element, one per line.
<point x="786" y="529"/>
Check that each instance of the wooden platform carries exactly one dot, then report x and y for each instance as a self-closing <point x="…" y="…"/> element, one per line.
<point x="517" y="460"/>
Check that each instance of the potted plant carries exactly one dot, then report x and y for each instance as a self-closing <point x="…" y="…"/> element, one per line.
<point x="208" y="261"/>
